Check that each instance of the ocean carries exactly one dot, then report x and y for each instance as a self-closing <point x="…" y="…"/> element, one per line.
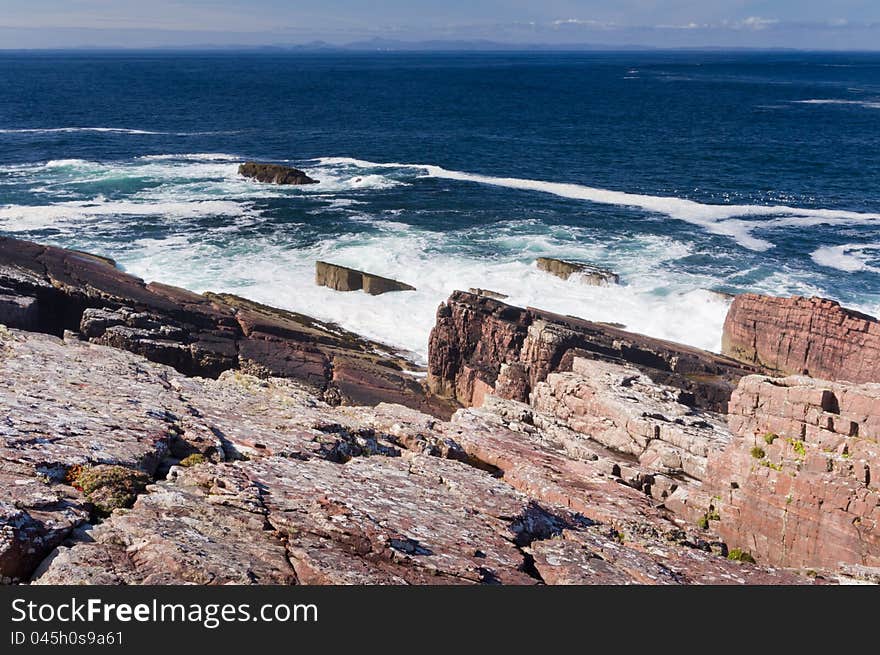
<point x="686" y="173"/>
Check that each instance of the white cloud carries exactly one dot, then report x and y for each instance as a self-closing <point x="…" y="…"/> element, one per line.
<point x="580" y="21"/>
<point x="687" y="26"/>
<point x="757" y="23"/>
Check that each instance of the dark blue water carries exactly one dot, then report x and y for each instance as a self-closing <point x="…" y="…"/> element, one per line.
<point x="684" y="172"/>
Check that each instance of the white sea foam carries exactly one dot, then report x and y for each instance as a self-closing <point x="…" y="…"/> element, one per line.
<point x="272" y="273"/>
<point x="279" y="270"/>
<point x="53" y="130"/>
<point x="23" y="218"/>
<point x="716" y="219"/>
<point x="850" y="257"/>
<point x="105" y="130"/>
<point x="867" y="104"/>
<point x="195" y="156"/>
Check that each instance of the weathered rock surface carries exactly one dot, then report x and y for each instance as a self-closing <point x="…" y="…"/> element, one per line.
<point x="488" y="293"/>
<point x="480" y="346"/>
<point x="292" y="490"/>
<point x="586" y="273"/>
<point x="342" y="278"/>
<point x="624" y="410"/>
<point x="274" y="173"/>
<point x="810" y="336"/>
<point x="53" y="290"/>
<point x="799" y="484"/>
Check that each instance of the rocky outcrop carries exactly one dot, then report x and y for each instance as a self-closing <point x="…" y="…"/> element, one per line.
<point x="342" y="278"/>
<point x="480" y="346"/>
<point x="622" y="409"/>
<point x="52" y="290"/>
<point x="274" y="173"/>
<point x="586" y="273"/>
<point x="809" y="336"/>
<point x="288" y="489"/>
<point x="798" y="485"/>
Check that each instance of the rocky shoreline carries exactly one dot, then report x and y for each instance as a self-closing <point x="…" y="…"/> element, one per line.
<point x="151" y="435"/>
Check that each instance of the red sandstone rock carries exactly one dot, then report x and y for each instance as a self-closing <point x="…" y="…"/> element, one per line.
<point x="798" y="484"/>
<point x="294" y="490"/>
<point x="480" y="344"/>
<point x="624" y="410"/>
<point x="810" y="336"/>
<point x="50" y="290"/>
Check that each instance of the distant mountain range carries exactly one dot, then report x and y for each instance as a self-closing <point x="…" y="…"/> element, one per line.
<point x="392" y="45"/>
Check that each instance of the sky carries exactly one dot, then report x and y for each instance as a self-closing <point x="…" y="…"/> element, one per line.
<point x="806" y="24"/>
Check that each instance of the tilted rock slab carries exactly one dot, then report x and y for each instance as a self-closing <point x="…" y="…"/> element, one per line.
<point x="809" y="336"/>
<point x="586" y="273"/>
<point x="482" y="346"/>
<point x="342" y="278"/>
<point x="54" y="290"/>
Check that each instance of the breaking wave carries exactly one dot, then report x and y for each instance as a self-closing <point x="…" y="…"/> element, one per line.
<point x="725" y="220"/>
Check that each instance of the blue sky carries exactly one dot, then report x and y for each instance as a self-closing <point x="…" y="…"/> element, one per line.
<point x="832" y="24"/>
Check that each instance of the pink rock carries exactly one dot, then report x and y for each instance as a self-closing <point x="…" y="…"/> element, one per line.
<point x="797" y="335"/>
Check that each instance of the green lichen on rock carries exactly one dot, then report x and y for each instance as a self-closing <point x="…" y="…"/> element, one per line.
<point x="757" y="452"/>
<point x="771" y="465"/>
<point x="770" y="437"/>
<point x="108" y="486"/>
<point x="192" y="460"/>
<point x="739" y="555"/>
<point x="703" y="522"/>
<point x="798" y="447"/>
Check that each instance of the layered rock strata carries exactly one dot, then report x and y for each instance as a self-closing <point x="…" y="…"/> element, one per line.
<point x="622" y="409"/>
<point x="258" y="481"/>
<point x="52" y="290"/>
<point x="800" y="483"/>
<point x="480" y="345"/>
<point x="809" y="336"/>
<point x="342" y="278"/>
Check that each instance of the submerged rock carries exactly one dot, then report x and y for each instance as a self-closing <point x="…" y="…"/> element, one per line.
<point x="274" y="174"/>
<point x="342" y="278"/>
<point x="587" y="273"/>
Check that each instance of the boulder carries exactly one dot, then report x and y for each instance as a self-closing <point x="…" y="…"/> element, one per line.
<point x="342" y="278"/>
<point x="809" y="336"/>
<point x="586" y="273"/>
<point x="18" y="311"/>
<point x="274" y="174"/>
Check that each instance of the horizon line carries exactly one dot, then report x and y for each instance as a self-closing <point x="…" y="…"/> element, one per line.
<point x="436" y="46"/>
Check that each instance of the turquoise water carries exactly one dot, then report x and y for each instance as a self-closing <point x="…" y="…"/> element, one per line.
<point x="685" y="173"/>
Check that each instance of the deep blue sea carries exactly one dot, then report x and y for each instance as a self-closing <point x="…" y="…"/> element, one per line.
<point x="685" y="173"/>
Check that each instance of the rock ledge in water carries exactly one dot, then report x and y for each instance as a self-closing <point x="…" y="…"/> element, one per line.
<point x="587" y="273"/>
<point x="342" y="278"/>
